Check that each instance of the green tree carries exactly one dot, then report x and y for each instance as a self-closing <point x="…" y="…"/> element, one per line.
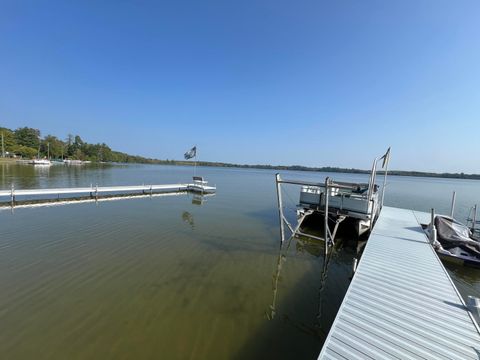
<point x="27" y="137"/>
<point x="24" y="151"/>
<point x="56" y="146"/>
<point x="8" y="139"/>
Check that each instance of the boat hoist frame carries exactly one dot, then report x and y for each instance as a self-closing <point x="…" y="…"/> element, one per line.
<point x="329" y="236"/>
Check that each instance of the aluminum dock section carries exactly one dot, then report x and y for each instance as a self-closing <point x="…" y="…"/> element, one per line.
<point x="94" y="190"/>
<point x="401" y="303"/>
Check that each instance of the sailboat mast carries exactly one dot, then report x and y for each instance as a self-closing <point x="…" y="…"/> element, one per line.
<point x="48" y="150"/>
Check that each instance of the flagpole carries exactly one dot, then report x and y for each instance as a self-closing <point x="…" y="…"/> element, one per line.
<point x="195" y="166"/>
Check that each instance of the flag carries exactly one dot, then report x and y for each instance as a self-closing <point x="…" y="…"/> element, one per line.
<point x="386" y="158"/>
<point x="191" y="153"/>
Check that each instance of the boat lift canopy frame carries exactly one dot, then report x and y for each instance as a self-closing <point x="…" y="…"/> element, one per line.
<point x="329" y="237"/>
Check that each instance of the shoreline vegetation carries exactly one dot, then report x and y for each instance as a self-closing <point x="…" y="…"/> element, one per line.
<point x="27" y="143"/>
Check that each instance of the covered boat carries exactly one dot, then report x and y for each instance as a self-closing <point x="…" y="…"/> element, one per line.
<point x="456" y="243"/>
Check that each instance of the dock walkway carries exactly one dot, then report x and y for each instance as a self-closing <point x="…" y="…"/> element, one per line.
<point x="401" y="303"/>
<point x="48" y="194"/>
<point x="94" y="190"/>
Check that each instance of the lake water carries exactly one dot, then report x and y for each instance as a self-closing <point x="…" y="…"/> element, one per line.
<point x="170" y="278"/>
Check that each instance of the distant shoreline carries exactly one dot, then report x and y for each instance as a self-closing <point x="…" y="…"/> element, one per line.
<point x="294" y="168"/>
<point x="326" y="169"/>
<point x="27" y="143"/>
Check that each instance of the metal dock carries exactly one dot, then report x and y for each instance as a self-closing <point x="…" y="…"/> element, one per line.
<point x="94" y="190"/>
<point x="401" y="303"/>
<point x="97" y="191"/>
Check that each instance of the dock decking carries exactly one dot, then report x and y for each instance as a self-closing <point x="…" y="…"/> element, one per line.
<point x="401" y="303"/>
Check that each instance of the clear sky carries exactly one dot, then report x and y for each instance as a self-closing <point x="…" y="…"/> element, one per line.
<point x="314" y="83"/>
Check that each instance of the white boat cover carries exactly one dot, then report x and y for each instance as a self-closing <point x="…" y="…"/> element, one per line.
<point x="451" y="234"/>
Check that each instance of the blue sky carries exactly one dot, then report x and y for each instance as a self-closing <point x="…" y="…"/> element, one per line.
<point x="315" y="83"/>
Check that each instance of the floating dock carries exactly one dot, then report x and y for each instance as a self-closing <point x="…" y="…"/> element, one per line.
<point x="401" y="303"/>
<point x="12" y="195"/>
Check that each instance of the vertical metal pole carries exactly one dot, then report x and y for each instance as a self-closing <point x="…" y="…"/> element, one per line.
<point x="453" y="204"/>
<point x="280" y="206"/>
<point x="433" y="230"/>
<point x="474" y="217"/>
<point x="326" y="215"/>
<point x="13" y="195"/>
<point x="195" y="164"/>
<point x="371" y="181"/>
<point x="384" y="183"/>
<point x="3" y="146"/>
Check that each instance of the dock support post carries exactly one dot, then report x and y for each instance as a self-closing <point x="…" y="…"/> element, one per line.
<point x="433" y="229"/>
<point x="151" y="192"/>
<point x="474" y="219"/>
<point x="453" y="204"/>
<point x="13" y="195"/>
<point x="280" y="207"/>
<point x="327" y="179"/>
<point x="96" y="192"/>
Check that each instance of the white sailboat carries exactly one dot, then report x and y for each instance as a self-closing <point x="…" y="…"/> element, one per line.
<point x="42" y="162"/>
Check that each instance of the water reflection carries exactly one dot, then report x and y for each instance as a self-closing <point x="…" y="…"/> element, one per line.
<point x="276" y="277"/>
<point x="199" y="199"/>
<point x="188" y="218"/>
<point x="320" y="326"/>
<point x="24" y="176"/>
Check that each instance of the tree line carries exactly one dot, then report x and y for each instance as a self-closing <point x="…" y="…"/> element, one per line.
<point x="28" y="143"/>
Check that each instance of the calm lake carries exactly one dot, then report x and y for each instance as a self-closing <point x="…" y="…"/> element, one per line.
<point x="177" y="278"/>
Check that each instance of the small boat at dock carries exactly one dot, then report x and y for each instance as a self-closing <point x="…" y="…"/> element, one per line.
<point x="353" y="200"/>
<point x="73" y="162"/>
<point x="360" y="203"/>
<point x="455" y="242"/>
<point x="41" y="162"/>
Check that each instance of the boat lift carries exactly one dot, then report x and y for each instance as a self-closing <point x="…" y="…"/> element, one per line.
<point x="346" y="202"/>
<point x="329" y="237"/>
